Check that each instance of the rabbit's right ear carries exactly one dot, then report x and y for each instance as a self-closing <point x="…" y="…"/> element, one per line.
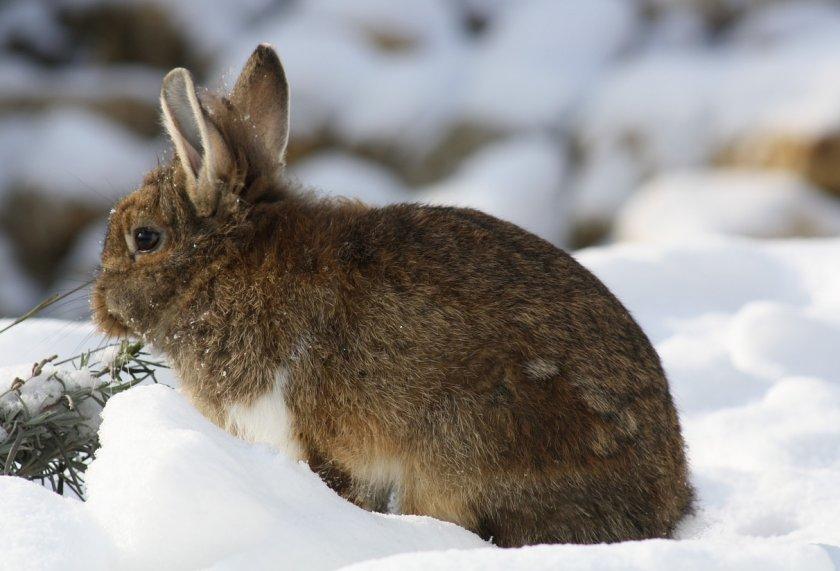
<point x="261" y="94"/>
<point x="201" y="149"/>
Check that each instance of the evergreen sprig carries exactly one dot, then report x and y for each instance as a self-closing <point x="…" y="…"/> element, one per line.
<point x="55" y="444"/>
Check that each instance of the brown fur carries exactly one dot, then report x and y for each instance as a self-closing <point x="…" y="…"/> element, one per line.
<point x="469" y="368"/>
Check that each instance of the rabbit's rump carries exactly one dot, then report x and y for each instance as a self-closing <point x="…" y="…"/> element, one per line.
<point x="484" y="377"/>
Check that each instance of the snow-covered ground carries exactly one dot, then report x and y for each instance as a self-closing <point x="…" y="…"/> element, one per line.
<point x="748" y="331"/>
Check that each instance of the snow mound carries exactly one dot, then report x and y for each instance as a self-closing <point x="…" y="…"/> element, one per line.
<point x="174" y="491"/>
<point x="540" y="57"/>
<point x="518" y="179"/>
<point x="42" y="530"/>
<point x="758" y="204"/>
<point x="748" y="337"/>
<point x="61" y="151"/>
<point x="672" y="109"/>
<point x="335" y="173"/>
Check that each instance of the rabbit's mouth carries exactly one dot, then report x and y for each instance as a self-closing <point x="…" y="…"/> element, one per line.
<point x="111" y="326"/>
<point x="108" y="323"/>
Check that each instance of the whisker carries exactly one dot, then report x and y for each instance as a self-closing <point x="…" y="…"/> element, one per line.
<point x="87" y="186"/>
<point x="43" y="305"/>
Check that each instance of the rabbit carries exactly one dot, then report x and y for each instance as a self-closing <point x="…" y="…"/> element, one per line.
<point x="421" y="359"/>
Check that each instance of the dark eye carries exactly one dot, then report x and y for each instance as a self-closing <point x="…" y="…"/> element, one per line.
<point x="146" y="239"/>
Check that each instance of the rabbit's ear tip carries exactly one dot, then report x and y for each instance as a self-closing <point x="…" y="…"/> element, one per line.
<point x="265" y="53"/>
<point x="177" y="74"/>
<point x="177" y="81"/>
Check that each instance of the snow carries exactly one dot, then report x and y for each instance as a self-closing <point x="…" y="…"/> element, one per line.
<point x="36" y="393"/>
<point x="416" y="21"/>
<point x="334" y="173"/>
<point x="747" y="331"/>
<point x="73" y="142"/>
<point x="527" y="73"/>
<point x="40" y="530"/>
<point x="324" y="61"/>
<point x="210" y="24"/>
<point x="34" y="340"/>
<point x="615" y="112"/>
<point x="774" y="23"/>
<point x="675" y="108"/>
<point x="539" y="58"/>
<point x="220" y="501"/>
<point x="32" y="20"/>
<point x="759" y="204"/>
<point x="24" y="80"/>
<point x="520" y="179"/>
<point x="654" y="555"/>
<point x="760" y="349"/>
<point x="22" y="390"/>
<point x="402" y="102"/>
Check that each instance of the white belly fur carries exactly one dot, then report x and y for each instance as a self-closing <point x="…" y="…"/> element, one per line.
<point x="266" y="420"/>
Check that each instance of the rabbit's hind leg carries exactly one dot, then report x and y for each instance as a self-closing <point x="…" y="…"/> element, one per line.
<point x="425" y="496"/>
<point x="367" y="496"/>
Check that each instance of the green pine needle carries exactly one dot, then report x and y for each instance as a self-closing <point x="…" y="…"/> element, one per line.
<point x="55" y="445"/>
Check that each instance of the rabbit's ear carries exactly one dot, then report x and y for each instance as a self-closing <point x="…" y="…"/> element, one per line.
<point x="261" y="95"/>
<point x="200" y="147"/>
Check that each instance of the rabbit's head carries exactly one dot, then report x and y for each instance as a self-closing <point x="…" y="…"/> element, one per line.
<point x="165" y="236"/>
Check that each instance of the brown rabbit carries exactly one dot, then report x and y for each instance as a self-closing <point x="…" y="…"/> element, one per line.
<point x="439" y="357"/>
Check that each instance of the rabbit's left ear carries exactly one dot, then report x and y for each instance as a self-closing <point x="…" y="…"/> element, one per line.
<point x="261" y="95"/>
<point x="201" y="149"/>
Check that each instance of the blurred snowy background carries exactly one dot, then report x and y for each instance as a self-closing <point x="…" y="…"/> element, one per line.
<point x="585" y="121"/>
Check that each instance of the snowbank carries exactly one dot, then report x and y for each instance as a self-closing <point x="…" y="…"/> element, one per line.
<point x="757" y="204"/>
<point x="216" y="500"/>
<point x="670" y="109"/>
<point x="170" y="490"/>
<point x="540" y="58"/>
<point x="520" y="179"/>
<point x="41" y="530"/>
<point x="747" y="332"/>
<point x="73" y="142"/>
<point x="334" y="173"/>
<point x="527" y="73"/>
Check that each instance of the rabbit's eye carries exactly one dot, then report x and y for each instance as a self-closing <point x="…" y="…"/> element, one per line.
<point x="146" y="239"/>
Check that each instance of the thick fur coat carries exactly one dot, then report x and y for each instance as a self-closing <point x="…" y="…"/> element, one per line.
<point x="438" y="357"/>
